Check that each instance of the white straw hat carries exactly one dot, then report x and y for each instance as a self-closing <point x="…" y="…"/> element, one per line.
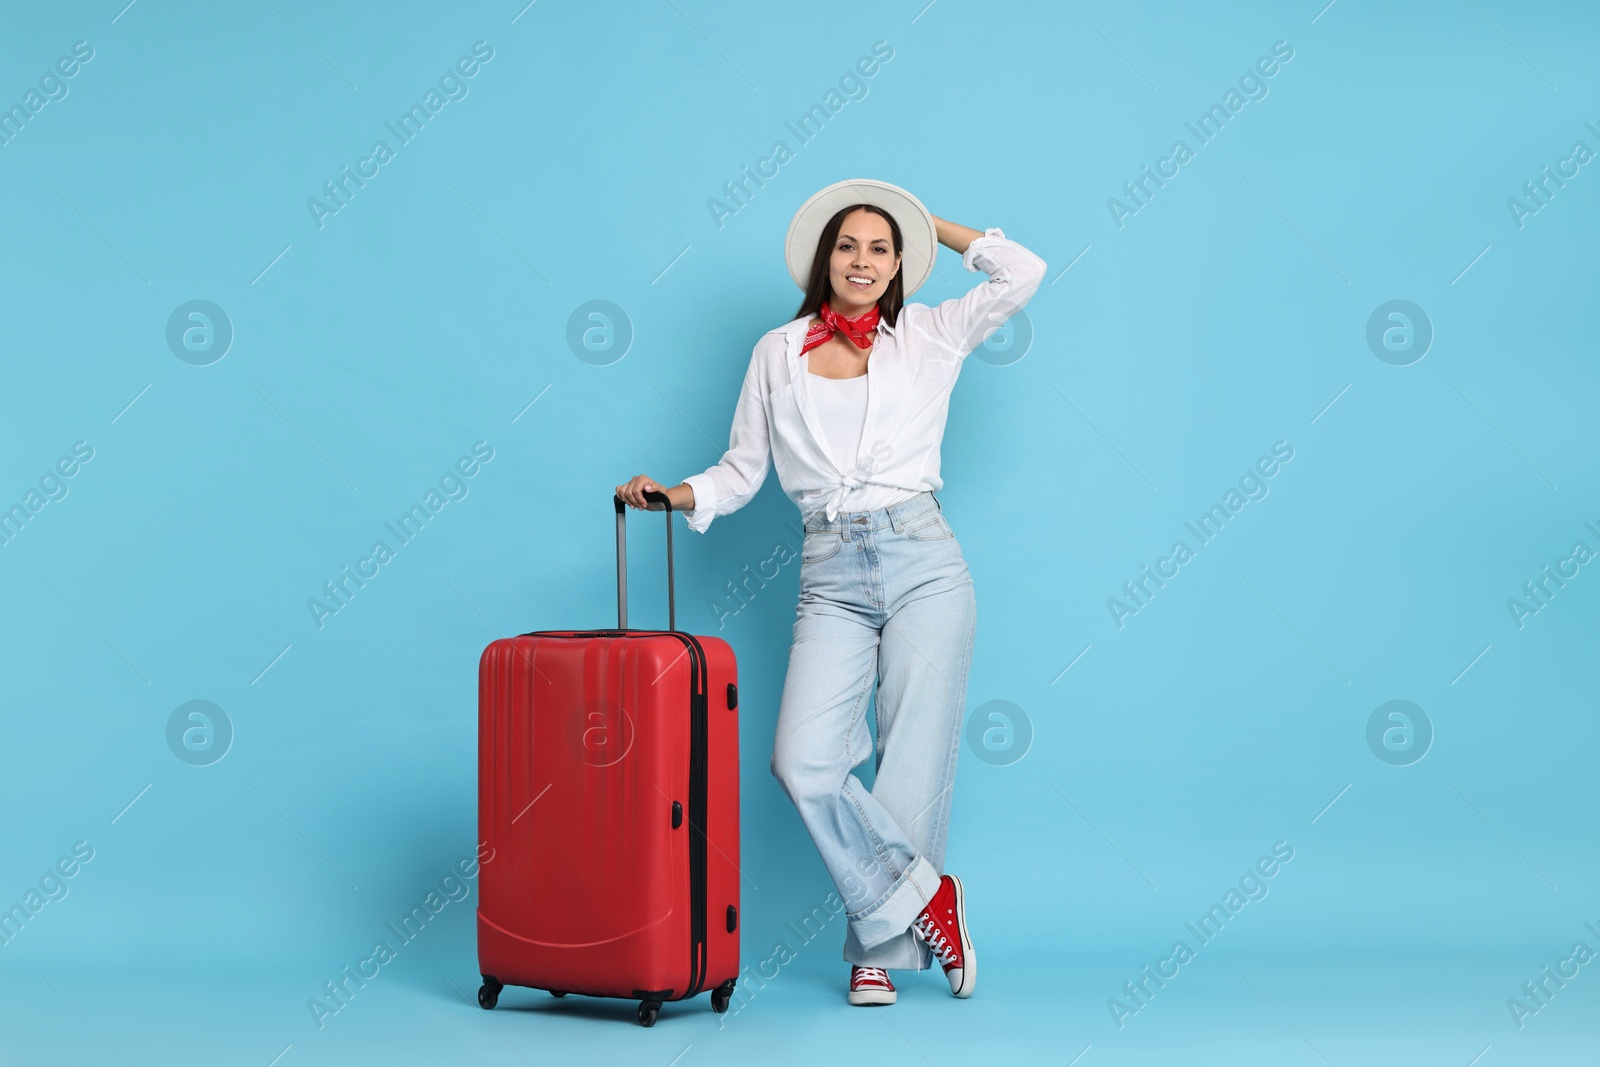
<point x="920" y="241"/>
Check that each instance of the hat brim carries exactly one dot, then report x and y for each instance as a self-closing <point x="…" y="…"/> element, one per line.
<point x="919" y="238"/>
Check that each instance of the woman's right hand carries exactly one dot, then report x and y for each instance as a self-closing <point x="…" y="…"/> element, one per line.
<point x="633" y="490"/>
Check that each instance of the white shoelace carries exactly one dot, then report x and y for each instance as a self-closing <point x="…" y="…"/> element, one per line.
<point x="935" y="938"/>
<point x="866" y="974"/>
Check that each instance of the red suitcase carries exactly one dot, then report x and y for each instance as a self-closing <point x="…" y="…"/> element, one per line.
<point x="608" y="794"/>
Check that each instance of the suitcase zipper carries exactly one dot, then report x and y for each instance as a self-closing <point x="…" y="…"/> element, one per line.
<point x="698" y="788"/>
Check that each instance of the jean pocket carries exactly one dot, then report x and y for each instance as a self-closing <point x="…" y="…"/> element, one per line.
<point x="929" y="527"/>
<point x="820" y="545"/>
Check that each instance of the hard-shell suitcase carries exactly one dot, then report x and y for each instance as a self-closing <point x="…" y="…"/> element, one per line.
<point x="608" y="797"/>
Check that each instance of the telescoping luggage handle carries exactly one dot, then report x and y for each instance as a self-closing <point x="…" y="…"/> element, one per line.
<point x="654" y="501"/>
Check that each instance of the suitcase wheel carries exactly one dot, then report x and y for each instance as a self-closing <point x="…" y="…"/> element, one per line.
<point x="647" y="1012"/>
<point x="721" y="995"/>
<point x="489" y="993"/>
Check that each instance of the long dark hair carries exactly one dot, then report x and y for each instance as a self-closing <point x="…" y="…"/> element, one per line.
<point x="819" y="288"/>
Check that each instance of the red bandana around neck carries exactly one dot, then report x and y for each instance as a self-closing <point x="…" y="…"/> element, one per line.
<point x="859" y="329"/>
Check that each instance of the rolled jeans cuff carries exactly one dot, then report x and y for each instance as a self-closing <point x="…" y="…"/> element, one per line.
<point x="892" y="913"/>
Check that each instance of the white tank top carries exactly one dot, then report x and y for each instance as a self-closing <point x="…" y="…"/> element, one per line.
<point x="842" y="405"/>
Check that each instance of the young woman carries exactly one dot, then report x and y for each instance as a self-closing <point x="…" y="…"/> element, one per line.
<point x="849" y="401"/>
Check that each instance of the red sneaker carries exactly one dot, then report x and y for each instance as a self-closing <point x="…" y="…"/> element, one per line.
<point x="943" y="925"/>
<point x="870" y="985"/>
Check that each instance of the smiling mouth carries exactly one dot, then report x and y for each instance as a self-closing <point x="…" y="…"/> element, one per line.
<point x="859" y="281"/>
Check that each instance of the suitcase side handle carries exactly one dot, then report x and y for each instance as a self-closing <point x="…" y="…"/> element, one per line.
<point x="652" y="500"/>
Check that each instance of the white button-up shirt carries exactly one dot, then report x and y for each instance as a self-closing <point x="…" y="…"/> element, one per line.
<point x="913" y="363"/>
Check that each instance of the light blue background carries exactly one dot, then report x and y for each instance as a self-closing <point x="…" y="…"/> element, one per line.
<point x="431" y="310"/>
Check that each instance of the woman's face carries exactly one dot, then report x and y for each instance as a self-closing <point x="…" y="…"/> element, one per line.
<point x="864" y="253"/>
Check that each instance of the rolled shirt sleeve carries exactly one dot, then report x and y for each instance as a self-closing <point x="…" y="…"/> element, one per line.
<point x="962" y="323"/>
<point x="738" y="475"/>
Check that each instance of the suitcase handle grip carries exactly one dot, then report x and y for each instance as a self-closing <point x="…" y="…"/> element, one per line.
<point x="654" y="501"/>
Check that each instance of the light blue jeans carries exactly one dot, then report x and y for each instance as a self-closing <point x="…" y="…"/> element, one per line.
<point x="885" y="597"/>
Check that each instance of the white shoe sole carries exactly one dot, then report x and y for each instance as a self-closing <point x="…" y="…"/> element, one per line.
<point x="969" y="959"/>
<point x="871" y="997"/>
